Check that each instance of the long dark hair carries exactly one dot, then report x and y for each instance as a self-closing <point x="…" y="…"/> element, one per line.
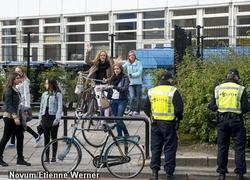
<point x="10" y="82"/>
<point x="53" y="85"/>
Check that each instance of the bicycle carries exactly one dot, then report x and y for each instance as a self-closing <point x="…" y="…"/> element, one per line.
<point x="123" y="158"/>
<point x="87" y="104"/>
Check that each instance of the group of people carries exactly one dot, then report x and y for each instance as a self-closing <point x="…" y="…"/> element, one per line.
<point x="17" y="112"/>
<point x="118" y="80"/>
<point x="165" y="106"/>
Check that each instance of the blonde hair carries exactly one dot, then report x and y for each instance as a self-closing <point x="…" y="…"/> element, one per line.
<point x="97" y="57"/>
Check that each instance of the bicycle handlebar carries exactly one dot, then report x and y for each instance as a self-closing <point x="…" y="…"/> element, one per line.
<point x="92" y="79"/>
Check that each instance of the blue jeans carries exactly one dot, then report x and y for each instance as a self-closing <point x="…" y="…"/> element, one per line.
<point x="135" y="92"/>
<point x="118" y="108"/>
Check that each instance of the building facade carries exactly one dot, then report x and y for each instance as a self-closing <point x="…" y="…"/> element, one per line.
<point x="60" y="29"/>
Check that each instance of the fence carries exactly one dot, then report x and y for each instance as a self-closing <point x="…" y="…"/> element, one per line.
<point x="65" y="118"/>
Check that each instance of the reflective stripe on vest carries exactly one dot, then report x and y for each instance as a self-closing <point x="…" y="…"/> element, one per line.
<point x="228" y="97"/>
<point x="161" y="99"/>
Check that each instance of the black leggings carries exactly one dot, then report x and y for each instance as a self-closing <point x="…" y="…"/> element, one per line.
<point x="50" y="132"/>
<point x="9" y="128"/>
<point x="29" y="130"/>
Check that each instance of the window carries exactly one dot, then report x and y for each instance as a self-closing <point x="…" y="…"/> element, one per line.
<point x="75" y="38"/>
<point x="33" y="39"/>
<point x="122" y="49"/>
<point x="52" y="39"/>
<point x="147" y="46"/>
<point x="27" y="22"/>
<point x="99" y="27"/>
<point x="99" y="37"/>
<point x="216" y="10"/>
<point x="9" y="22"/>
<point x="76" y="19"/>
<point x="184" y="23"/>
<point x="75" y="52"/>
<point x="34" y="30"/>
<point x="243" y="31"/>
<point x="153" y="24"/>
<point x="100" y="17"/>
<point x="153" y="35"/>
<point x="52" y="52"/>
<point x="98" y="47"/>
<point x="126" y="36"/>
<point x="75" y="28"/>
<point x="216" y="43"/>
<point x="243" y="20"/>
<point x="127" y="16"/>
<point x="153" y="14"/>
<point x="221" y="32"/>
<point x="217" y="21"/>
<point x="8" y="40"/>
<point x="52" y="20"/>
<point x="52" y="29"/>
<point x="9" y="53"/>
<point x="126" y="26"/>
<point x="9" y="31"/>
<point x="244" y="8"/>
<point x="184" y="12"/>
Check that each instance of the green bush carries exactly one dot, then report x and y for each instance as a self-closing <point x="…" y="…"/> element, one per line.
<point x="196" y="80"/>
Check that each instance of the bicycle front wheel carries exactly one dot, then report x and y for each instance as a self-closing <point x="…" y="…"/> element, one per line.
<point x="93" y="132"/>
<point x="61" y="155"/>
<point x="124" y="159"/>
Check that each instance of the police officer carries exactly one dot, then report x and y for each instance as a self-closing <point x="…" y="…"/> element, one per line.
<point x="231" y="102"/>
<point x="164" y="104"/>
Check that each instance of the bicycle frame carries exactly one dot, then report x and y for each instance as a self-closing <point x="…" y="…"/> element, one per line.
<point x="110" y="133"/>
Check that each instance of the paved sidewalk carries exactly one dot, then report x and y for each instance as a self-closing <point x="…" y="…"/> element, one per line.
<point x="193" y="162"/>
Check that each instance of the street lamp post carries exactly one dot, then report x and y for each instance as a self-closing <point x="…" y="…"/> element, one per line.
<point x="28" y="55"/>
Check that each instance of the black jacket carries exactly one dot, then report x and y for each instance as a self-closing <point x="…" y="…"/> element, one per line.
<point x="11" y="101"/>
<point x="177" y="101"/>
<point x="245" y="106"/>
<point x="122" y="88"/>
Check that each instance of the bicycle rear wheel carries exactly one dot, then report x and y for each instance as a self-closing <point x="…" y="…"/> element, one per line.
<point x="93" y="132"/>
<point x="66" y="158"/>
<point x="124" y="159"/>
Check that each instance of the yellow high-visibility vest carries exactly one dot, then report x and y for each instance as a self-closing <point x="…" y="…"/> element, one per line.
<point x="161" y="99"/>
<point x="228" y="97"/>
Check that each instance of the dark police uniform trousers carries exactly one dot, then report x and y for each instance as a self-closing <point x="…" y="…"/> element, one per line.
<point x="230" y="124"/>
<point x="163" y="136"/>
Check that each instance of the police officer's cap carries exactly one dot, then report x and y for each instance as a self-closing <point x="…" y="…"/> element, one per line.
<point x="166" y="76"/>
<point x="234" y="72"/>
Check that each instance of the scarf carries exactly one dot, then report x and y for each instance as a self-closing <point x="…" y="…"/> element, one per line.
<point x="116" y="79"/>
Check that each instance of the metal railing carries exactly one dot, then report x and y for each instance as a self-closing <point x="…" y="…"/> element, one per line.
<point x="65" y="119"/>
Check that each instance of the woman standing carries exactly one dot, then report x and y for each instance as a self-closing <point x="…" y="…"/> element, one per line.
<point x="101" y="69"/>
<point x="134" y="70"/>
<point x="118" y="94"/>
<point x="12" y="121"/>
<point x="25" y="108"/>
<point x="50" y="114"/>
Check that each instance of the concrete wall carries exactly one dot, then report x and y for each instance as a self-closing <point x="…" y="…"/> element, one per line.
<point x="26" y="8"/>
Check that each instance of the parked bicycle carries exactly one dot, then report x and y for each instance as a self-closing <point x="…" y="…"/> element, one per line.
<point x="87" y="105"/>
<point x="123" y="158"/>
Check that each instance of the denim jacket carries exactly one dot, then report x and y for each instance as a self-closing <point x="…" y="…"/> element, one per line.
<point x="54" y="105"/>
<point x="134" y="72"/>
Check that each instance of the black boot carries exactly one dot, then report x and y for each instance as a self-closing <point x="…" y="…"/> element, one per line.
<point x="154" y="175"/>
<point x="2" y="163"/>
<point x="222" y="177"/>
<point x="240" y="177"/>
<point x="22" y="162"/>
